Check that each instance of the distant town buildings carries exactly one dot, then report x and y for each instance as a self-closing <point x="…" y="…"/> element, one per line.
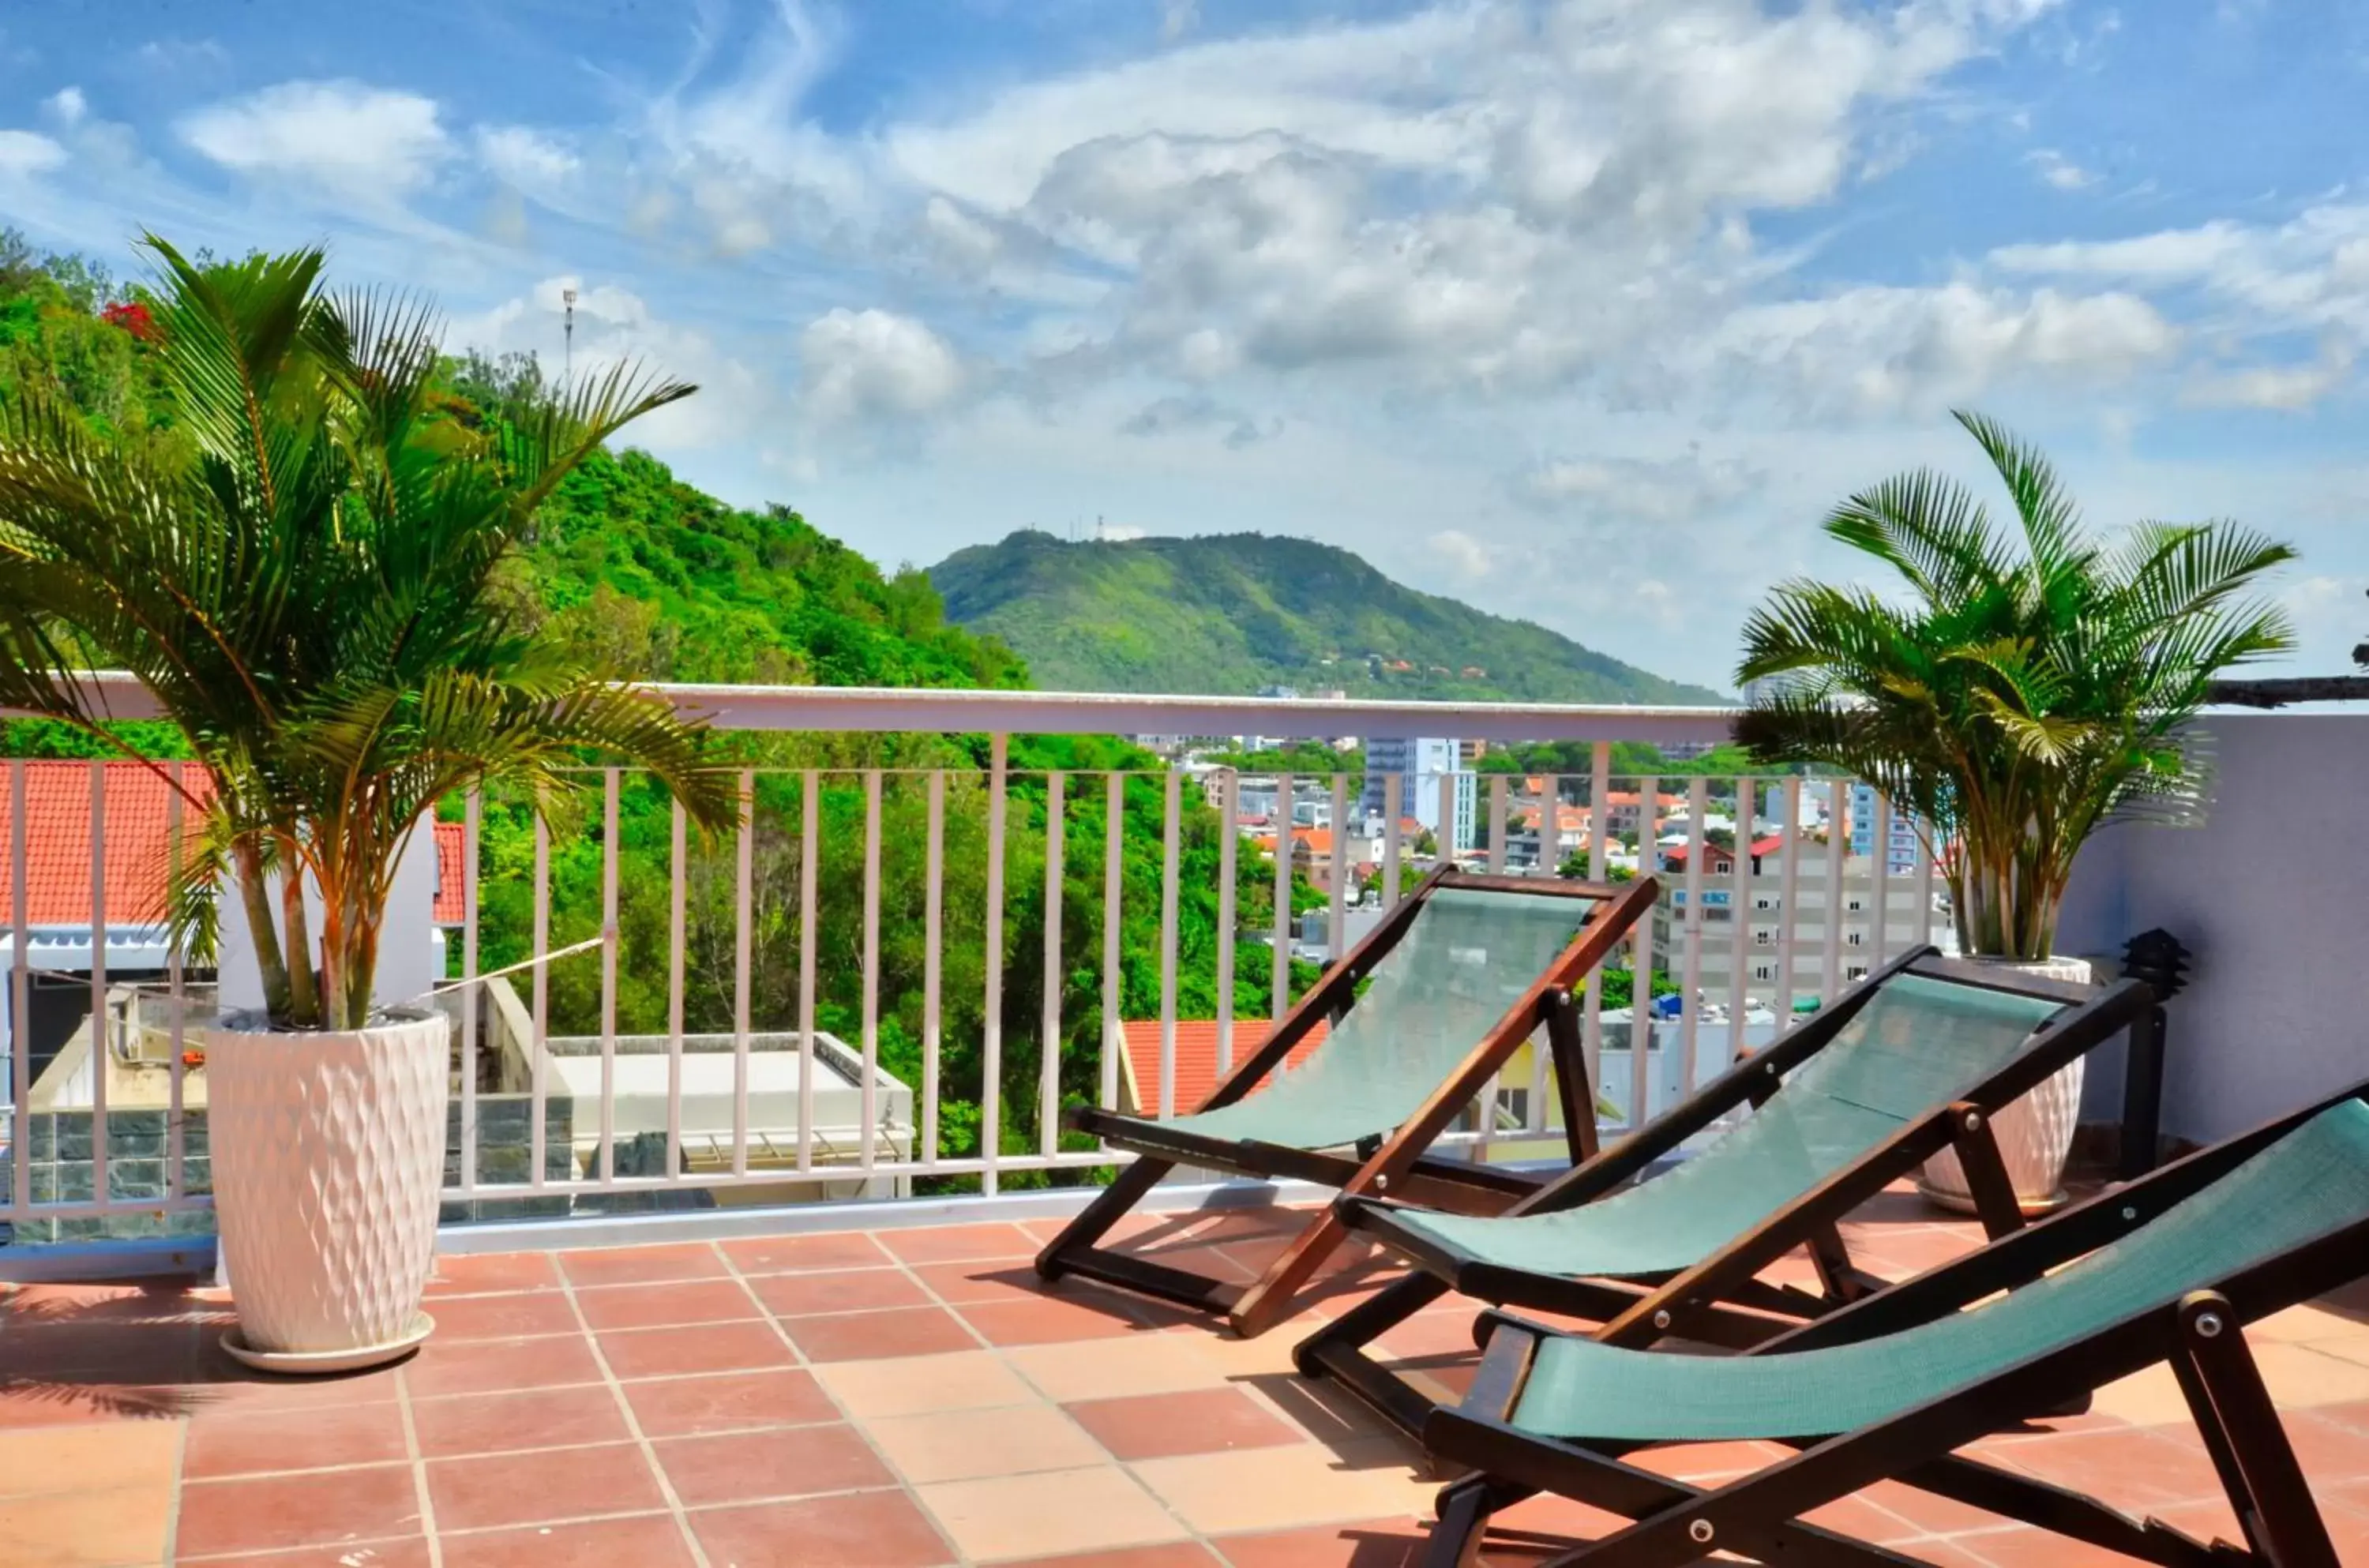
<point x="1899" y="853"/>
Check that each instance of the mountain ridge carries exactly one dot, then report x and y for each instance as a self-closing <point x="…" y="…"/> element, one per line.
<point x="1225" y="614"/>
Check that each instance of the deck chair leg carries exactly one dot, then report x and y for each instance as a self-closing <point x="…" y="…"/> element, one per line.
<point x="1838" y="1275"/>
<point x="1338" y="1351"/>
<point x="1464" y="1509"/>
<point x="1095" y="1220"/>
<point x="1256" y="1309"/>
<point x="1986" y="1171"/>
<point x="2241" y="1430"/>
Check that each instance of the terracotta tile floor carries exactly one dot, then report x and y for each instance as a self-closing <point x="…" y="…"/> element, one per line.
<point x="908" y="1398"/>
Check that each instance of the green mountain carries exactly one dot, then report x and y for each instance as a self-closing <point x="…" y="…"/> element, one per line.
<point x="1229" y="614"/>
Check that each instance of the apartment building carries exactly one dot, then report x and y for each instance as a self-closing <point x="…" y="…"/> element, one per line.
<point x="1877" y="917"/>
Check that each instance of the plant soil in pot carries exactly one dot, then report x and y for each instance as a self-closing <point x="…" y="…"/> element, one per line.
<point x="328" y="1156"/>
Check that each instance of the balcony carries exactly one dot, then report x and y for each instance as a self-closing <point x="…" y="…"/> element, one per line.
<point x="730" y="1275"/>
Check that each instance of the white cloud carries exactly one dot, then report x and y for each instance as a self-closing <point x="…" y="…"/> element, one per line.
<point x="368" y="143"/>
<point x="1459" y="552"/>
<point x="874" y="364"/>
<point x="2276" y="387"/>
<point x="65" y="107"/>
<point x="525" y="157"/>
<point x="2061" y="172"/>
<point x="1178" y="18"/>
<point x="1627" y="491"/>
<point x="24" y="153"/>
<point x="1877" y="349"/>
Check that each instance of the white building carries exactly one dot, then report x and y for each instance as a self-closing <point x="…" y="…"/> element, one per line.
<point x="1424" y="765"/>
<point x="1768" y="923"/>
<point x="1900" y="837"/>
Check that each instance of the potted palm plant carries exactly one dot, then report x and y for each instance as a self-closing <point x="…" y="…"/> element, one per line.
<point x="2028" y="687"/>
<point x="312" y="585"/>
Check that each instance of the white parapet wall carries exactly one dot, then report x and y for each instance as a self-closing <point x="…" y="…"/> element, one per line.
<point x="2271" y="894"/>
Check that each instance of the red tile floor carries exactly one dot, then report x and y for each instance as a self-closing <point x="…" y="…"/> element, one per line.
<point x="904" y="1399"/>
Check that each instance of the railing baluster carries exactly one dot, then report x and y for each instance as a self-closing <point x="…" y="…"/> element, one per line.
<point x="1113" y="893"/>
<point x="471" y="819"/>
<point x="1496" y="823"/>
<point x="1394" y="786"/>
<point x="870" y="1096"/>
<point x="1168" y="873"/>
<point x="1641" y="962"/>
<point x="100" y="1045"/>
<point x="1338" y="937"/>
<point x="538" y="1132"/>
<point x="678" y="901"/>
<point x="1280" y="1001"/>
<point x="177" y="1111"/>
<point x="1879" y="902"/>
<point x="608" y="977"/>
<point x="1838" y="846"/>
<point x="1691" y="985"/>
<point x="1229" y="838"/>
<point x="1744" y="932"/>
<point x="1925" y="922"/>
<point x="1048" y="1052"/>
<point x="1789" y="903"/>
<point x="743" y="923"/>
<point x="20" y="1056"/>
<point x="1550" y="801"/>
<point x="809" y="863"/>
<point x="990" y="1092"/>
<point x="1600" y="834"/>
<point x="933" y="962"/>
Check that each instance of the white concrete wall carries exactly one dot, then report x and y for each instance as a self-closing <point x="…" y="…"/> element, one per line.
<point x="2271" y="896"/>
<point x="407" y="949"/>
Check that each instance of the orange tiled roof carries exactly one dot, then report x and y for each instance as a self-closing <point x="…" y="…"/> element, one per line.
<point x="1196" y="1059"/>
<point x="451" y="872"/>
<point x="136" y="833"/>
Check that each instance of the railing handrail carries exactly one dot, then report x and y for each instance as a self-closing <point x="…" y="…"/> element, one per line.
<point x="884" y="709"/>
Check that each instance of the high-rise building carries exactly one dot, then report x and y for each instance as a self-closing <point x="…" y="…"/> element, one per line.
<point x="1423" y="765"/>
<point x="1900" y="839"/>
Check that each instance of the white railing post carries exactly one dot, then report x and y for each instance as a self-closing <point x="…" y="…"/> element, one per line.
<point x="1693" y="924"/>
<point x="933" y="962"/>
<point x="101" y="1047"/>
<point x="1280" y="1001"/>
<point x="1743" y="921"/>
<point x="869" y="1094"/>
<point x="743" y="924"/>
<point x="1337" y="939"/>
<point x="1641" y="962"/>
<point x="1229" y="838"/>
<point x="991" y="1088"/>
<point x="1113" y="893"/>
<point x="809" y="867"/>
<point x="1169" y="826"/>
<point x="1789" y="903"/>
<point x="538" y="1133"/>
<point x="1049" y="1055"/>
<point x="176" y="1109"/>
<point x="20" y="1056"/>
<point x="678" y="880"/>
<point x="608" y="1166"/>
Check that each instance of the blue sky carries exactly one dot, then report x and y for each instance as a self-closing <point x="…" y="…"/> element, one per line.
<point x="1580" y="310"/>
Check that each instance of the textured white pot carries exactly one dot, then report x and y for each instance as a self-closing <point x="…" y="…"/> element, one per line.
<point x="2035" y="1134"/>
<point x="328" y="1155"/>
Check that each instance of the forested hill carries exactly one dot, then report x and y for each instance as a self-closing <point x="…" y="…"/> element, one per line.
<point x="1230" y="613"/>
<point x="665" y="580"/>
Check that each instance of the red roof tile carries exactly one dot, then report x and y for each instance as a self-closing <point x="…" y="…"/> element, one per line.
<point x="1196" y="1059"/>
<point x="451" y="872"/>
<point x="136" y="831"/>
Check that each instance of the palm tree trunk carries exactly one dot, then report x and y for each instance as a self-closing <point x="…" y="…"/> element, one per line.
<point x="304" y="993"/>
<point x="270" y="956"/>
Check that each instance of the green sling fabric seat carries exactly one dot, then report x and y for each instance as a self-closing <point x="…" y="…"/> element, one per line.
<point x="2312" y="1181"/>
<point x="1918" y="1044"/>
<point x="1469" y="956"/>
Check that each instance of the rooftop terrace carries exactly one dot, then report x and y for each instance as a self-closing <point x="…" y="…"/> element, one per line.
<point x="910" y="1398"/>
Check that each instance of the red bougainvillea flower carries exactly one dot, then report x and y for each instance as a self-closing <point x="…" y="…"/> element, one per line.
<point x="133" y="317"/>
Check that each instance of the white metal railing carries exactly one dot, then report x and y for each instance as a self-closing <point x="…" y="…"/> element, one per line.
<point x="858" y="1127"/>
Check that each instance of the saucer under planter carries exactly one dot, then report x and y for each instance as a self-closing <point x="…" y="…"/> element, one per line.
<point x="2035" y="1134"/>
<point x="328" y="1160"/>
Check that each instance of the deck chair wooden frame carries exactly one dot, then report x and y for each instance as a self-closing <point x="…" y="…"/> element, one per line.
<point x="1400" y="1165"/>
<point x="1758" y="1515"/>
<point x="1721" y="1301"/>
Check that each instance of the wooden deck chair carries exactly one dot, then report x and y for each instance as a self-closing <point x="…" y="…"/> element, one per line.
<point x="1421" y="1013"/>
<point x="2166" y="1270"/>
<point x="1915" y="1060"/>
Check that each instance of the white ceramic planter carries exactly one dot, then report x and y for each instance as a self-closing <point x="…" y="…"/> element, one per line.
<point x="2035" y="1134"/>
<point x="328" y="1155"/>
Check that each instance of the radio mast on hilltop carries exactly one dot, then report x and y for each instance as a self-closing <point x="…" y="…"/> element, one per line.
<point x="567" y="333"/>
